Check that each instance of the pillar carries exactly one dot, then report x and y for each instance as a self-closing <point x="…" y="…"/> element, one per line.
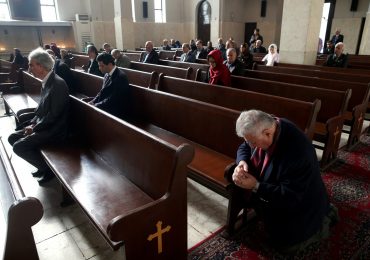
<point x="300" y="31"/>
<point x="123" y="23"/>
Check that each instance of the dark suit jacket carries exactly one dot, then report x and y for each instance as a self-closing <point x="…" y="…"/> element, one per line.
<point x="51" y="115"/>
<point x="93" y="68"/>
<point x="202" y="55"/>
<point x="114" y="95"/>
<point x="334" y="61"/>
<point x="63" y="71"/>
<point x="188" y="57"/>
<point x="292" y="198"/>
<point x="236" y="69"/>
<point x="335" y="39"/>
<point x="152" y="57"/>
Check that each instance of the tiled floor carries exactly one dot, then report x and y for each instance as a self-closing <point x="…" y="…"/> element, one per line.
<point x="66" y="233"/>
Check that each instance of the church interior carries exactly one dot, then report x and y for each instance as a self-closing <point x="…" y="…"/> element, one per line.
<point x="300" y="31"/>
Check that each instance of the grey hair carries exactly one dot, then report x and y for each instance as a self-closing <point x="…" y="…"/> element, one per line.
<point x="114" y="51"/>
<point x="43" y="58"/>
<point x="252" y="122"/>
<point x="231" y="50"/>
<point x="339" y="43"/>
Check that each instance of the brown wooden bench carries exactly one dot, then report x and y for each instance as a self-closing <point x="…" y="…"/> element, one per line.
<point x="324" y="68"/>
<point x="210" y="129"/>
<point x="8" y="71"/>
<point x="330" y="118"/>
<point x="166" y="70"/>
<point x="185" y="65"/>
<point x="319" y="74"/>
<point x="356" y="106"/>
<point x="22" y="96"/>
<point x="79" y="60"/>
<point x="88" y="85"/>
<point x="167" y="55"/>
<point x="130" y="184"/>
<point x="18" y="214"/>
<point x="134" y="56"/>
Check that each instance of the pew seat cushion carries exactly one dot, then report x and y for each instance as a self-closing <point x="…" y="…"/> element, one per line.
<point x="18" y="102"/>
<point x="101" y="191"/>
<point x="207" y="164"/>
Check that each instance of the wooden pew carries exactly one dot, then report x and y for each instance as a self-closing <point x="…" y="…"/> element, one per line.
<point x="19" y="214"/>
<point x="324" y="68"/>
<point x="130" y="184"/>
<point x="185" y="65"/>
<point x="134" y="56"/>
<point x="88" y="85"/>
<point x="319" y="74"/>
<point x="23" y="97"/>
<point x="356" y="106"/>
<point x="243" y="100"/>
<point x="167" y="55"/>
<point x="166" y="70"/>
<point x="79" y="60"/>
<point x="210" y="130"/>
<point x="330" y="118"/>
<point x="8" y="71"/>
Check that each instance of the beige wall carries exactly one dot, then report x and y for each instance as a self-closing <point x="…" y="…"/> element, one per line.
<point x="349" y="22"/>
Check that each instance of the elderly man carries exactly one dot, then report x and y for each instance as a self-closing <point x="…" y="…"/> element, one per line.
<point x="338" y="58"/>
<point x="150" y="56"/>
<point x="200" y="53"/>
<point x="49" y="125"/>
<point x="107" y="48"/>
<point x="187" y="55"/>
<point x="120" y="59"/>
<point x="235" y="66"/>
<point x="337" y="37"/>
<point x="114" y="95"/>
<point x="277" y="165"/>
<point x="258" y="48"/>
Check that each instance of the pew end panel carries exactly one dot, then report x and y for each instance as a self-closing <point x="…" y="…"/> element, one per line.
<point x="157" y="215"/>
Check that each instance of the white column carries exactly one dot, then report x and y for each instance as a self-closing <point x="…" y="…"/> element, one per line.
<point x="365" y="41"/>
<point x="123" y="23"/>
<point x="300" y="31"/>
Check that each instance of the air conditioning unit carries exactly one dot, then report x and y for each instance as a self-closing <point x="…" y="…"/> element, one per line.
<point x="82" y="33"/>
<point x="82" y="17"/>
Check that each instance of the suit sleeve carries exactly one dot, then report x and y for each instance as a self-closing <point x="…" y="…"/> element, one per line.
<point x="119" y="91"/>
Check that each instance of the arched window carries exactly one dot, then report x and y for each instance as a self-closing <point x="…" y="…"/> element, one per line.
<point x="204" y="21"/>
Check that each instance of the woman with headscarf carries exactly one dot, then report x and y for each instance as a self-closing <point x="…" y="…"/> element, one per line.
<point x="273" y="56"/>
<point x="218" y="73"/>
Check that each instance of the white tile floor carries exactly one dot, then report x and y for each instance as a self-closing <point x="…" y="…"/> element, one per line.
<point x="66" y="233"/>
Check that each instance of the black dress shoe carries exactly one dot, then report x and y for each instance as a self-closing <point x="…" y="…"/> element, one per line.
<point x="48" y="176"/>
<point x="38" y="173"/>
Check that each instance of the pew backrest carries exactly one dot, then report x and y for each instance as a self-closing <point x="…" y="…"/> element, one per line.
<point x="166" y="70"/>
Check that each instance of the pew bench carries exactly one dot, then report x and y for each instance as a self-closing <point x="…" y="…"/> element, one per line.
<point x="130" y="184"/>
<point x="183" y="73"/>
<point x="210" y="130"/>
<point x="357" y="104"/>
<point x="18" y="214"/>
<point x="23" y="98"/>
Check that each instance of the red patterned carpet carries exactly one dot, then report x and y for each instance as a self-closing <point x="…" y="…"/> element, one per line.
<point x="348" y="184"/>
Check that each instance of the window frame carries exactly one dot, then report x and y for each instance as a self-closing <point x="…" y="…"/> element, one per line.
<point x="55" y="11"/>
<point x="162" y="10"/>
<point x="6" y="3"/>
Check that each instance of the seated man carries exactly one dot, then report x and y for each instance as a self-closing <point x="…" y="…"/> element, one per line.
<point x="187" y="55"/>
<point x="279" y="175"/>
<point x="258" y="48"/>
<point x="329" y="48"/>
<point x="107" y="48"/>
<point x="114" y="95"/>
<point x="62" y="70"/>
<point x="165" y="45"/>
<point x="151" y="56"/>
<point x="338" y="58"/>
<point x="49" y="125"/>
<point x="120" y="59"/>
<point x="200" y="53"/>
<point x="235" y="66"/>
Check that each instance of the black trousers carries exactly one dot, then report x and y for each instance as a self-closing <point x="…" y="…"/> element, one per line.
<point x="28" y="147"/>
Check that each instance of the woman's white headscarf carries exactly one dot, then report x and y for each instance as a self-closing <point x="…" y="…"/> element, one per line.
<point x="271" y="58"/>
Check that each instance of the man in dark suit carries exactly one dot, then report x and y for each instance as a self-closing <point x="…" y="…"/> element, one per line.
<point x="151" y="56"/>
<point x="235" y="66"/>
<point x="278" y="167"/>
<point x="200" y="53"/>
<point x="49" y="125"/>
<point x="338" y="58"/>
<point x="187" y="55"/>
<point x="337" y="37"/>
<point x="114" y="95"/>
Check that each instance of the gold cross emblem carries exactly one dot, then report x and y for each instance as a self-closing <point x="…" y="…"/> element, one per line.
<point x="159" y="233"/>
